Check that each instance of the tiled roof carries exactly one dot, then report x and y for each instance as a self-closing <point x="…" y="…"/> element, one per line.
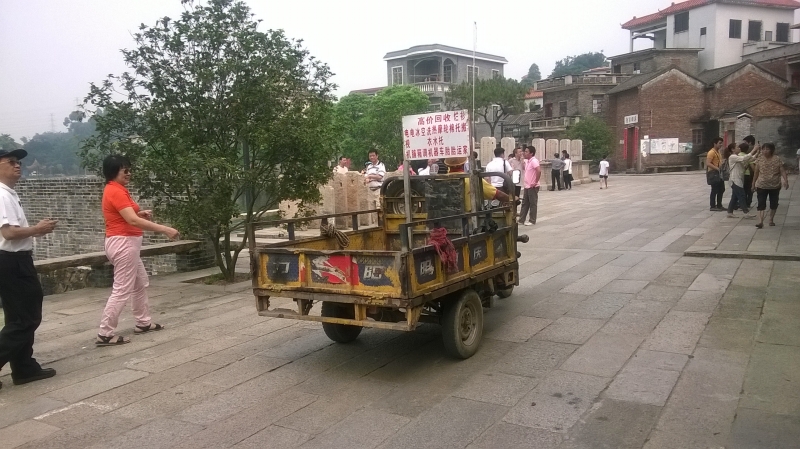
<point x="708" y="77"/>
<point x="676" y="8"/>
<point x="534" y="94"/>
<point x="370" y="91"/>
<point x="716" y="75"/>
<point x="638" y="80"/>
<point x="524" y="118"/>
<point x="744" y="107"/>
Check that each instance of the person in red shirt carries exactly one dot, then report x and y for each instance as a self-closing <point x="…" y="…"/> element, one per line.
<point x="125" y="224"/>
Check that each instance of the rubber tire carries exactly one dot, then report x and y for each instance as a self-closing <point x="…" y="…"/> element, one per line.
<point x="506" y="292"/>
<point x="462" y="340"/>
<point x="396" y="189"/>
<point x="340" y="333"/>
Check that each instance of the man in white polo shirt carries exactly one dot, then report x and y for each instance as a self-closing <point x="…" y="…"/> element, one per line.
<point x="498" y="165"/>
<point x="373" y="176"/>
<point x="20" y="290"/>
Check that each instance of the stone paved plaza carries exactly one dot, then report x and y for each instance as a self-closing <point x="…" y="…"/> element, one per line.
<point x="614" y="339"/>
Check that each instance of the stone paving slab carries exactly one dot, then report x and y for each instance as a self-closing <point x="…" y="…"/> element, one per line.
<point x="618" y="338"/>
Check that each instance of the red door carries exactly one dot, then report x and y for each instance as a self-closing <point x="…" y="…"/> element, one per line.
<point x="631" y="145"/>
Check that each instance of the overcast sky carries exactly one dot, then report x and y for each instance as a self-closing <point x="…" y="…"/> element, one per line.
<point x="50" y="50"/>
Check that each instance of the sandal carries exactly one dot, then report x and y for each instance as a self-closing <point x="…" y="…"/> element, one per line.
<point x="145" y="329"/>
<point x="760" y="225"/>
<point x="110" y="341"/>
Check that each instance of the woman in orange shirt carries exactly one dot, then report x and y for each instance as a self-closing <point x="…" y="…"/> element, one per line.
<point x="124" y="225"/>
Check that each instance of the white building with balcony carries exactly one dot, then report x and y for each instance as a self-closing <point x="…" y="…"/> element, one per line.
<point x="723" y="30"/>
<point x="433" y="68"/>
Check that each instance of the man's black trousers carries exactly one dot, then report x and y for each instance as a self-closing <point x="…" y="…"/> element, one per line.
<point x="22" y="295"/>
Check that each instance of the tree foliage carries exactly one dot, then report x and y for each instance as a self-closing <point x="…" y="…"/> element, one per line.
<point x="532" y="76"/>
<point x="597" y="137"/>
<point x="53" y="153"/>
<point x="364" y="123"/>
<point x="219" y="118"/>
<point x="495" y="99"/>
<point x="8" y="143"/>
<point x="574" y="65"/>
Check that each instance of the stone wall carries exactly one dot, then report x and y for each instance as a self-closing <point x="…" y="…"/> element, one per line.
<point x="76" y="203"/>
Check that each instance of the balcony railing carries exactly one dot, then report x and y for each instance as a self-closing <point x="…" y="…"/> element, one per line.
<point x="554" y="124"/>
<point x="433" y="87"/>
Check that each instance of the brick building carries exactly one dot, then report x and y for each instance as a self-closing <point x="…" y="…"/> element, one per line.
<point x="569" y="98"/>
<point x="672" y="103"/>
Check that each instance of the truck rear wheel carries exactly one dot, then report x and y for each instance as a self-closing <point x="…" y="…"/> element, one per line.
<point x="462" y="325"/>
<point x="340" y="333"/>
<point x="506" y="292"/>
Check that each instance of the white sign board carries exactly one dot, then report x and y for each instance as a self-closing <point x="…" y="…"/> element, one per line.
<point x="436" y="135"/>
<point x="664" y="146"/>
<point x="631" y="119"/>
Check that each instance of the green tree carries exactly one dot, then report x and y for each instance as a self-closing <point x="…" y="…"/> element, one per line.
<point x="349" y="124"/>
<point x="598" y="140"/>
<point x="574" y="65"/>
<point x="54" y="151"/>
<point x="532" y="76"/>
<point x="221" y="118"/>
<point x="364" y="123"/>
<point x="384" y="121"/>
<point x="495" y="99"/>
<point x="8" y="143"/>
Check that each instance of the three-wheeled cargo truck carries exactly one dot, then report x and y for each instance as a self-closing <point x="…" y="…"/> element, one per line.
<point x="394" y="275"/>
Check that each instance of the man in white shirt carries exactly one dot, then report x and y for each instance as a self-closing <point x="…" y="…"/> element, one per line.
<point x="498" y="165"/>
<point x="374" y="173"/>
<point x="342" y="167"/>
<point x="20" y="290"/>
<point x="604" y="172"/>
<point x="737" y="163"/>
<point x="427" y="170"/>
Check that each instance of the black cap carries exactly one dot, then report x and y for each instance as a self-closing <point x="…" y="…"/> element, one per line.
<point x="18" y="153"/>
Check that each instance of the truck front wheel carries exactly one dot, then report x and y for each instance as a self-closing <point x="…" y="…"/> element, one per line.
<point x="340" y="333"/>
<point x="462" y="325"/>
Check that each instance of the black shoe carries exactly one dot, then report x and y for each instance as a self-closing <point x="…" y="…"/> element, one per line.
<point x="44" y="373"/>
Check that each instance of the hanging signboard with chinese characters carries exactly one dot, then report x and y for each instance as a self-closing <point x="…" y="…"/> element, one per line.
<point x="436" y="135"/>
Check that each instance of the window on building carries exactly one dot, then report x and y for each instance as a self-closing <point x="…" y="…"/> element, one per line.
<point x="782" y="32"/>
<point x="754" y="31"/>
<point x="637" y="67"/>
<point x="495" y="73"/>
<point x="562" y="108"/>
<point x="682" y="22"/>
<point x="617" y="68"/>
<point x="434" y="107"/>
<point x="703" y="31"/>
<point x="735" y="29"/>
<point x="448" y="73"/>
<point x="697" y="137"/>
<point x="397" y="75"/>
<point x="597" y="105"/>
<point x="472" y="73"/>
<point x="548" y="110"/>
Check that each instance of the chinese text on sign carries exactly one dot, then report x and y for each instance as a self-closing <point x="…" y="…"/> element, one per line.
<point x="436" y="135"/>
